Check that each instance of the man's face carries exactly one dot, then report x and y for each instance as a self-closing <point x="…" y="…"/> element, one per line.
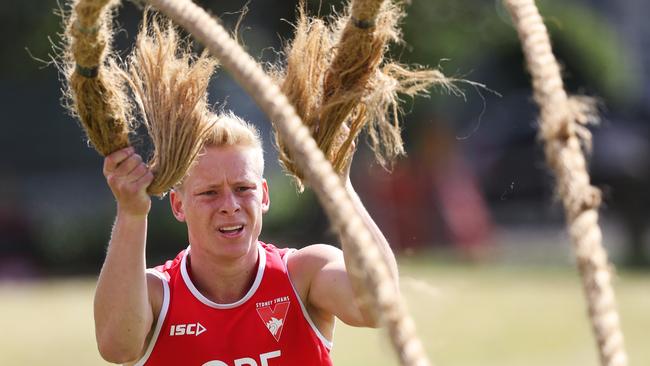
<point x="222" y="200"/>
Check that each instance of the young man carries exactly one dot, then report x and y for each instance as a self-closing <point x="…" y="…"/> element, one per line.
<point x="228" y="299"/>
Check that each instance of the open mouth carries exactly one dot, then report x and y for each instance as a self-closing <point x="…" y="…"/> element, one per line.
<point x="231" y="230"/>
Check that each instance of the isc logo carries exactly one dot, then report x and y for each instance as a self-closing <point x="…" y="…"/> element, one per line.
<point x="247" y="361"/>
<point x="186" y="329"/>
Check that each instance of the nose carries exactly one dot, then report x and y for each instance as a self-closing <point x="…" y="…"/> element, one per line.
<point x="229" y="204"/>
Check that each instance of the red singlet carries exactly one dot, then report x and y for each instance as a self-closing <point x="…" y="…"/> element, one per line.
<point x="269" y="326"/>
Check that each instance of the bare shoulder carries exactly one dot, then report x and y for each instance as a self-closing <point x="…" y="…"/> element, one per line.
<point x="316" y="253"/>
<point x="312" y="258"/>
<point x="304" y="264"/>
<point x="156" y="293"/>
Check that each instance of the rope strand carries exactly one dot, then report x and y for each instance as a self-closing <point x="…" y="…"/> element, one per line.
<point x="563" y="134"/>
<point x="94" y="91"/>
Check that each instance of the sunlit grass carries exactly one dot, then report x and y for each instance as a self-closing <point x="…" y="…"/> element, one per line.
<point x="466" y="315"/>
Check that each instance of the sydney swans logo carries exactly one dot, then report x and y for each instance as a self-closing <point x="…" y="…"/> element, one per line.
<point x="273" y="313"/>
<point x="274" y="326"/>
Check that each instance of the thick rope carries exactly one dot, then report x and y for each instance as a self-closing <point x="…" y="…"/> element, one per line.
<point x="97" y="94"/>
<point x="340" y="80"/>
<point x="170" y="87"/>
<point x="93" y="88"/>
<point x="563" y="133"/>
<point x="358" y="56"/>
<point x="370" y="267"/>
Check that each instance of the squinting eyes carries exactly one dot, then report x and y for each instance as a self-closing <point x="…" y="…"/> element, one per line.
<point x="238" y="189"/>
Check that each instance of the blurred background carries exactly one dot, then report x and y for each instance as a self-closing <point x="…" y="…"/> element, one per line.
<point x="470" y="210"/>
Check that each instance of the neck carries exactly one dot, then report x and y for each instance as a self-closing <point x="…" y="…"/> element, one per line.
<point x="223" y="280"/>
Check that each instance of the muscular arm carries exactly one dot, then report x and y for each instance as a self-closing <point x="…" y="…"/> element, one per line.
<point x="321" y="275"/>
<point x="122" y="308"/>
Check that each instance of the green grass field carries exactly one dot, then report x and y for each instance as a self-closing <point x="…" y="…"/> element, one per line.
<point x="466" y="315"/>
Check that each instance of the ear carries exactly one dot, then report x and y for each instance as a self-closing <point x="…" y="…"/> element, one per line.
<point x="176" y="201"/>
<point x="266" y="200"/>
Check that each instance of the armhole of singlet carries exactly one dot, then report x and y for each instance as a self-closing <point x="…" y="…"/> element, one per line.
<point x="161" y="317"/>
<point x="329" y="344"/>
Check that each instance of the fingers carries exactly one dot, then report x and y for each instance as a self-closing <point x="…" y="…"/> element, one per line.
<point x="125" y="163"/>
<point x="141" y="176"/>
<point x="146" y="179"/>
<point x="126" y="172"/>
<point x="113" y="160"/>
<point x="128" y="178"/>
<point x="134" y="167"/>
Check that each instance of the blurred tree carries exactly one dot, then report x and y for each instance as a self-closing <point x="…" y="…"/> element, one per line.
<point x="468" y="32"/>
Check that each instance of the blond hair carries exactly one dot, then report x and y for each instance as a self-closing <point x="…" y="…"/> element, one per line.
<point x="230" y="130"/>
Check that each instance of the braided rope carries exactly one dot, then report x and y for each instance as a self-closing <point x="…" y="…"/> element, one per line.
<point x="370" y="267"/>
<point x="366" y="10"/>
<point x="93" y="89"/>
<point x="563" y="135"/>
<point x="359" y="53"/>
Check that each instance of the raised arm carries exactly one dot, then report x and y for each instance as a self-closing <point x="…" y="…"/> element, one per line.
<point x="123" y="303"/>
<point x="321" y="275"/>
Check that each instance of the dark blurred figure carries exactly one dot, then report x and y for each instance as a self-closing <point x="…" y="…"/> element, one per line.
<point x="18" y="249"/>
<point x="621" y="166"/>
